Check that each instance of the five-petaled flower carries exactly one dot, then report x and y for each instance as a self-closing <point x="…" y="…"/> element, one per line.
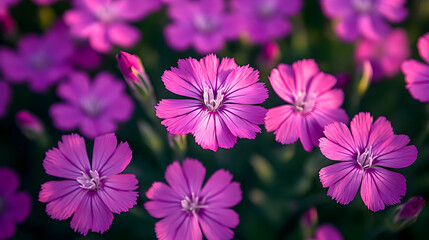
<point x="363" y="153"/>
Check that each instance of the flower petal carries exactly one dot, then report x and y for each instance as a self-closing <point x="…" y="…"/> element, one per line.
<point x="284" y="122"/>
<point x="361" y="127"/>
<point x="214" y="230"/>
<point x="177" y="180"/>
<point x="382" y="187"/>
<point x="117" y="193"/>
<point x="10" y="177"/>
<point x="343" y="180"/>
<point x="423" y="46"/>
<point x="63" y="197"/>
<point x="194" y="172"/>
<point x="18" y="207"/>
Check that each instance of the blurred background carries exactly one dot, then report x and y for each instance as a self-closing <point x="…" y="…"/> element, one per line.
<point x="279" y="182"/>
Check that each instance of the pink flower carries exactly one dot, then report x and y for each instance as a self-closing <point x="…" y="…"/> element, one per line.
<point x="265" y="20"/>
<point x="362" y="154"/>
<point x="93" y="107"/>
<point x="14" y="206"/>
<point x="312" y="103"/>
<point x="365" y="18"/>
<point x="40" y="60"/>
<point x="204" y="24"/>
<point x="45" y="2"/>
<point x="104" y="22"/>
<point x="327" y="232"/>
<point x="185" y="205"/>
<point x="90" y="193"/>
<point x="417" y="73"/>
<point x="386" y="56"/>
<point x="221" y="105"/>
<point x="5" y="96"/>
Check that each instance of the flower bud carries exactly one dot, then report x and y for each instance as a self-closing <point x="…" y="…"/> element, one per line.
<point x="309" y="218"/>
<point x="269" y="55"/>
<point x="30" y="125"/>
<point x="132" y="69"/>
<point x="410" y="209"/>
<point x="367" y="73"/>
<point x="177" y="142"/>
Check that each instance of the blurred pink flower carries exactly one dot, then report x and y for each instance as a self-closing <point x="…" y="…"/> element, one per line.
<point x="14" y="206"/>
<point x="312" y="103"/>
<point x="385" y="56"/>
<point x="30" y="125"/>
<point x="5" y="97"/>
<point x="105" y="22"/>
<point x="367" y="18"/>
<point x="204" y="24"/>
<point x="40" y="60"/>
<point x="362" y="154"/>
<point x="417" y="73"/>
<point x="186" y="206"/>
<point x="93" y="107"/>
<point x="221" y="108"/>
<point x="265" y="20"/>
<point x="327" y="232"/>
<point x="90" y="193"/>
<point x="410" y="209"/>
<point x="45" y="2"/>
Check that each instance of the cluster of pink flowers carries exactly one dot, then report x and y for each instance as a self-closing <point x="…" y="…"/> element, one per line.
<point x="207" y="24"/>
<point x="366" y="21"/>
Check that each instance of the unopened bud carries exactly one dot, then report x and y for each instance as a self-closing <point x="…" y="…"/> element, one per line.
<point x="365" y="80"/>
<point x="133" y="71"/>
<point x="177" y="142"/>
<point x="269" y="55"/>
<point x="309" y="218"/>
<point x="30" y="125"/>
<point x="410" y="209"/>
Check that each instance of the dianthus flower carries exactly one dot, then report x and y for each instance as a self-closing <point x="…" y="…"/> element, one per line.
<point x="186" y="206"/>
<point x="313" y="103"/>
<point x="221" y="105"/>
<point x="417" y="73"/>
<point x="367" y="18"/>
<point x="93" y="192"/>
<point x="14" y="206"/>
<point x="385" y="56"/>
<point x="363" y="154"/>
<point x="94" y="107"/>
<point x="105" y="22"/>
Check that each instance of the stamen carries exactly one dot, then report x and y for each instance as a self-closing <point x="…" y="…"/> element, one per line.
<point x="304" y="103"/>
<point x="192" y="205"/>
<point x="366" y="159"/>
<point x="91" y="181"/>
<point x="210" y="101"/>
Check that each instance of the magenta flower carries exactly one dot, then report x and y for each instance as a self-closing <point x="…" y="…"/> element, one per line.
<point x="85" y="57"/>
<point x="367" y="18"/>
<point x="14" y="206"/>
<point x="312" y="103"/>
<point x="385" y="56"/>
<point x="5" y="96"/>
<point x="362" y="154"/>
<point x="265" y="20"/>
<point x="417" y="73"/>
<point x="221" y="105"/>
<point x="93" y="107"/>
<point x="91" y="193"/>
<point x="204" y="24"/>
<point x="6" y="21"/>
<point x="104" y="22"/>
<point x="327" y="232"/>
<point x="40" y="60"/>
<point x="185" y="205"/>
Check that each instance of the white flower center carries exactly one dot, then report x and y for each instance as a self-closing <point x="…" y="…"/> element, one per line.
<point x="304" y="103"/>
<point x="366" y="158"/>
<point x="363" y="6"/>
<point x="91" y="181"/>
<point x="106" y="14"/>
<point x="91" y="106"/>
<point x="204" y="24"/>
<point x="212" y="103"/>
<point x="192" y="204"/>
<point x="267" y="9"/>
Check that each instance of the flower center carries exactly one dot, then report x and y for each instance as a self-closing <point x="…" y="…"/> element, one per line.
<point x="366" y="158"/>
<point x="266" y="9"/>
<point x="192" y="205"/>
<point x="91" y="106"/>
<point x="212" y="103"/>
<point x="91" y="181"/>
<point x="304" y="103"/>
<point x="363" y="6"/>
<point x="39" y="61"/>
<point x="106" y="14"/>
<point x="204" y="24"/>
